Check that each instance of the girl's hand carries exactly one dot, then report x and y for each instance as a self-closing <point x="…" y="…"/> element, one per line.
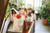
<point x="25" y="19"/>
<point x="12" y="20"/>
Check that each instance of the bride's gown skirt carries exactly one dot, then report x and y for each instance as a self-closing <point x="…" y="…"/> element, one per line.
<point x="15" y="23"/>
<point x="18" y="22"/>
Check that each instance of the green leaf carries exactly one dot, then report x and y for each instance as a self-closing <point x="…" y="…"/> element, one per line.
<point x="48" y="5"/>
<point x="24" y="1"/>
<point x="43" y="2"/>
<point x="23" y="4"/>
<point x="15" y="6"/>
<point x="33" y="6"/>
<point x="49" y="2"/>
<point x="13" y="1"/>
<point x="12" y="4"/>
<point x="41" y="7"/>
<point x="7" y="9"/>
<point x="48" y="22"/>
<point x="16" y="1"/>
<point x="5" y="15"/>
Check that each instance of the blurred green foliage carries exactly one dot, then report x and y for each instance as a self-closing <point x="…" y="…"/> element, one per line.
<point x="13" y="1"/>
<point x="5" y="15"/>
<point x="44" y="12"/>
<point x="23" y="4"/>
<point x="13" y="6"/>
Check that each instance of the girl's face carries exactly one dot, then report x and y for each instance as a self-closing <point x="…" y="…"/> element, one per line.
<point x="29" y="15"/>
<point x="24" y="10"/>
<point x="13" y="12"/>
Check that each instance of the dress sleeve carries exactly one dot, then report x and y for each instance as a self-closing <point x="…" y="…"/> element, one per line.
<point x="35" y="17"/>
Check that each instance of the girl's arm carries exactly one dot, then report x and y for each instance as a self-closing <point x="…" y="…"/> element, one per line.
<point x="23" y="13"/>
<point x="12" y="20"/>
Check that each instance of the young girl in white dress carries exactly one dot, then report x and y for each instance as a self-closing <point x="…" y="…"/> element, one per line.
<point x="28" y="17"/>
<point x="33" y="15"/>
<point x="15" y="21"/>
<point x="25" y="12"/>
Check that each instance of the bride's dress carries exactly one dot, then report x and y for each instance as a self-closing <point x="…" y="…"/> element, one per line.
<point x="15" y="23"/>
<point x="18" y="22"/>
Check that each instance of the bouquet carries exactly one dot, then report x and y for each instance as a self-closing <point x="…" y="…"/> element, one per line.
<point x="18" y="16"/>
